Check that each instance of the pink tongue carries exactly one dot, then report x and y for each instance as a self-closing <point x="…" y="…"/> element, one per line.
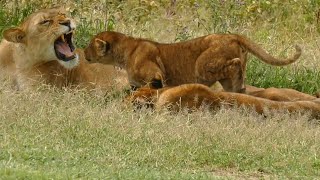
<point x="64" y="49"/>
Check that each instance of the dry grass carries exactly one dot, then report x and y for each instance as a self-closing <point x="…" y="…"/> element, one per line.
<point x="60" y="134"/>
<point x="72" y="134"/>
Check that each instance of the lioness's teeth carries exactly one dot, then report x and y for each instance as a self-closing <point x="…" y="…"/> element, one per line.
<point x="62" y="37"/>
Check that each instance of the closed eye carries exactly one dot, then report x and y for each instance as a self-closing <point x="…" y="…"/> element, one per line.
<point x="45" y="22"/>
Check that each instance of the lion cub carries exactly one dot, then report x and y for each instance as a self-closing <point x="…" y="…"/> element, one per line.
<point x="279" y="94"/>
<point x="193" y="96"/>
<point x="204" y="60"/>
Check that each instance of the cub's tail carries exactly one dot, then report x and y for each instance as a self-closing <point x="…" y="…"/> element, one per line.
<point x="256" y="50"/>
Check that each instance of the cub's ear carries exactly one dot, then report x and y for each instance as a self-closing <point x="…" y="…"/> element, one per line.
<point x="15" y="35"/>
<point x="101" y="47"/>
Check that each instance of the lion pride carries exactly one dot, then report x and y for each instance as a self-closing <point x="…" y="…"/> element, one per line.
<point x="41" y="50"/>
<point x="204" y="60"/>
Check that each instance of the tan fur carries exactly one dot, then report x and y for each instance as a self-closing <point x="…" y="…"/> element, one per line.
<point x="194" y="96"/>
<point x="204" y="60"/>
<point x="272" y="93"/>
<point x="27" y="55"/>
<point x="278" y="94"/>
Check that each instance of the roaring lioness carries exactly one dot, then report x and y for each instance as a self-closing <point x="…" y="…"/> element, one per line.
<point x="193" y="96"/>
<point x="41" y="49"/>
<point x="204" y="60"/>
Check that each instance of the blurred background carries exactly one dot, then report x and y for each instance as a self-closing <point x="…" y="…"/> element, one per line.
<point x="276" y="25"/>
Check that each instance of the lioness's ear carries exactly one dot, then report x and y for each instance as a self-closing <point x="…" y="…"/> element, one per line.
<point x="15" y="35"/>
<point x="101" y="47"/>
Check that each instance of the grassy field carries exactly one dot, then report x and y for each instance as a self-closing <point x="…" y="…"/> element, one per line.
<point x="69" y="134"/>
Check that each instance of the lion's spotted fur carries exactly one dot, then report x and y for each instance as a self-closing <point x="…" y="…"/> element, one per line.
<point x="195" y="95"/>
<point x="204" y="60"/>
<point x="27" y="55"/>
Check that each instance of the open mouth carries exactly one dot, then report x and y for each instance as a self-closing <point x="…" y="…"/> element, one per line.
<point x="64" y="47"/>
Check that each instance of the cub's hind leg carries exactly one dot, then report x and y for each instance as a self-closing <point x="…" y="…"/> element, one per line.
<point x="212" y="66"/>
<point x="235" y="76"/>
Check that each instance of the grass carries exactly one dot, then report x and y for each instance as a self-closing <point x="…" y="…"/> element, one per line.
<point x="68" y="134"/>
<point x="73" y="134"/>
<point x="299" y="78"/>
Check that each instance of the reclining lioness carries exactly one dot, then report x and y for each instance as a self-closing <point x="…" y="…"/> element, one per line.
<point x="193" y="96"/>
<point x="41" y="50"/>
<point x="204" y="60"/>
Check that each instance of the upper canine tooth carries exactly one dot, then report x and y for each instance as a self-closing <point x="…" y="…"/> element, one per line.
<point x="62" y="37"/>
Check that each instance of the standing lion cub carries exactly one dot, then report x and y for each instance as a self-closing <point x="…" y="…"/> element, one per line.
<point x="204" y="60"/>
<point x="41" y="50"/>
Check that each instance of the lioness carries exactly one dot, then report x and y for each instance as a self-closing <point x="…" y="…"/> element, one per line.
<point x="205" y="60"/>
<point x="41" y="49"/>
<point x="195" y="95"/>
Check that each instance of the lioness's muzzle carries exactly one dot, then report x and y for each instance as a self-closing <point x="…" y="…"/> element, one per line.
<point x="64" y="47"/>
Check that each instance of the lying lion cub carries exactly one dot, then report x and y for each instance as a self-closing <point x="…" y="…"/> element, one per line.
<point x="278" y="94"/>
<point x="195" y="95"/>
<point x="272" y="93"/>
<point x="204" y="60"/>
<point x="41" y="49"/>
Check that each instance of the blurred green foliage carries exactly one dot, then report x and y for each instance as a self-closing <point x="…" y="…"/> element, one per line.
<point x="277" y="21"/>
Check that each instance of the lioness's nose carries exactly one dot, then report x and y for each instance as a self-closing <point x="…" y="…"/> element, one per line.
<point x="65" y="23"/>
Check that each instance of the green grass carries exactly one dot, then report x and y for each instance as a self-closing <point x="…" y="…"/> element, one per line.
<point x="302" y="79"/>
<point x="72" y="134"/>
<point x="78" y="135"/>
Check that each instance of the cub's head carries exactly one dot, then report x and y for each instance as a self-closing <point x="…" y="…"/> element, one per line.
<point x="44" y="36"/>
<point x="103" y="47"/>
<point x="142" y="97"/>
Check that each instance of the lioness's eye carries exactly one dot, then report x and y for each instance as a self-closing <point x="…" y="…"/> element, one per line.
<point x="45" y="22"/>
